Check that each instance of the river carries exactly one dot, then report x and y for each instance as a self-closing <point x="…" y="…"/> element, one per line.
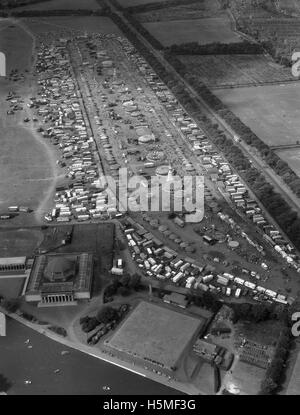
<point x="79" y="374"/>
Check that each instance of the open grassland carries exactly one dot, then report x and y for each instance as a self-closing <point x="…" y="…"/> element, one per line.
<point x="16" y="45"/>
<point x="19" y="242"/>
<point x="25" y="169"/>
<point x="62" y="5"/>
<point x="202" y="31"/>
<point x="235" y="70"/>
<point x="205" y="8"/>
<point x="272" y="112"/>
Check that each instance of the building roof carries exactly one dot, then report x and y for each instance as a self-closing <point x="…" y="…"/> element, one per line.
<point x="59" y="268"/>
<point x="204" y="347"/>
<point x="13" y="260"/>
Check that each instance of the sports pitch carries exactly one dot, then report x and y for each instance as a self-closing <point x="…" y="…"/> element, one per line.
<point x="156" y="334"/>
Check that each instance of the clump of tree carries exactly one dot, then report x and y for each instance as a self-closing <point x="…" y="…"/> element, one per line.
<point x="275" y="370"/>
<point x="205" y="299"/>
<point x="107" y="314"/>
<point x="10" y="305"/>
<point x="260" y="312"/>
<point x="123" y="285"/>
<point x="58" y="330"/>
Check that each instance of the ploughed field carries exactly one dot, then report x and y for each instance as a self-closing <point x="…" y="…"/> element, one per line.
<point x="202" y="31"/>
<point x="62" y="5"/>
<point x="235" y="70"/>
<point x="131" y="3"/>
<point x="272" y="112"/>
<point x="89" y="24"/>
<point x="196" y="10"/>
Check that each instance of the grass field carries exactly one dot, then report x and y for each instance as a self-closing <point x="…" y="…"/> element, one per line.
<point x="272" y="112"/>
<point x="11" y="287"/>
<point x="235" y="70"/>
<point x="194" y="30"/>
<point x="62" y="5"/>
<point x="19" y="242"/>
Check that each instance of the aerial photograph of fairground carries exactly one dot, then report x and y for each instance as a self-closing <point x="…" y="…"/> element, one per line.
<point x="150" y="198"/>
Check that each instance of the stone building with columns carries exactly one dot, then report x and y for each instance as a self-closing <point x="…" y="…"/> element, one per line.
<point x="60" y="279"/>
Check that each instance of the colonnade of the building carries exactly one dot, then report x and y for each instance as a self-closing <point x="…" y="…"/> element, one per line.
<point x="12" y="267"/>
<point x="57" y="298"/>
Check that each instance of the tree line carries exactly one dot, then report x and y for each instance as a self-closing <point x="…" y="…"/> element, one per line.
<point x="60" y="12"/>
<point x="10" y="4"/>
<point x="216" y="48"/>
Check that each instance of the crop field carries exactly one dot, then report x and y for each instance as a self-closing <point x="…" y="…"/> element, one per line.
<point x="292" y="157"/>
<point x="235" y="70"/>
<point x="61" y="5"/>
<point x="131" y="3"/>
<point x="207" y="8"/>
<point x="89" y="24"/>
<point x="272" y="112"/>
<point x="283" y="28"/>
<point x="194" y="30"/>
